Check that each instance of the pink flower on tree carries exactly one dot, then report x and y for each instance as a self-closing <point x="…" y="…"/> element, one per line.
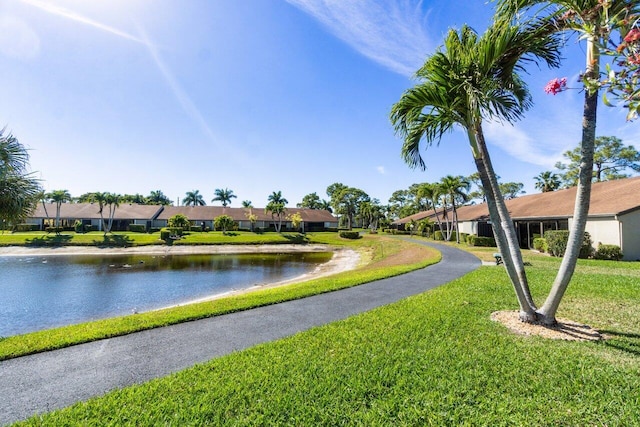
<point x="632" y="36"/>
<point x="556" y="85"/>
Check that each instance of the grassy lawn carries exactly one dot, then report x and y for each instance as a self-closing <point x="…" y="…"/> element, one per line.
<point x="124" y="239"/>
<point x="433" y="359"/>
<point x="381" y="257"/>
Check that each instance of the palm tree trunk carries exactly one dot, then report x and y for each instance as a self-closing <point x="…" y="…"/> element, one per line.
<point x="583" y="194"/>
<point x="503" y="228"/>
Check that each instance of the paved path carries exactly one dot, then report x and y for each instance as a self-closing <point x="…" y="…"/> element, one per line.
<point x="55" y="379"/>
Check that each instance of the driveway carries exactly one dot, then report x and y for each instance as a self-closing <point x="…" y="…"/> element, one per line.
<point x="47" y="381"/>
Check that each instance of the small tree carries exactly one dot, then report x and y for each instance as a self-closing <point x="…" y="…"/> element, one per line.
<point x="251" y="217"/>
<point x="224" y="223"/>
<point x="296" y="221"/>
<point x="178" y="221"/>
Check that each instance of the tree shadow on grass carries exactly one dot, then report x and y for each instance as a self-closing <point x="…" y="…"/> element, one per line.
<point x="54" y="240"/>
<point x="114" y="240"/>
<point x="628" y="342"/>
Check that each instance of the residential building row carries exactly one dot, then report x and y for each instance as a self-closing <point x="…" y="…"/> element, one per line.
<point x="156" y="216"/>
<point x="614" y="215"/>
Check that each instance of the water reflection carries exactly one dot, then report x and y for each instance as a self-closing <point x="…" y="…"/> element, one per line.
<point x="44" y="292"/>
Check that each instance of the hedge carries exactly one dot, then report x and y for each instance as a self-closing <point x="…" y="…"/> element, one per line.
<point x="27" y="227"/>
<point x="610" y="252"/>
<point x="557" y="243"/>
<point x="349" y="235"/>
<point x="540" y="244"/>
<point x="481" y="241"/>
<point x="137" y="228"/>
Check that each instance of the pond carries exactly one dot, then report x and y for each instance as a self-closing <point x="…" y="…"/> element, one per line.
<point x="49" y="291"/>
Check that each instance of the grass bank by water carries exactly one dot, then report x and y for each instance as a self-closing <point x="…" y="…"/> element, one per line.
<point x="432" y="359"/>
<point x="382" y="257"/>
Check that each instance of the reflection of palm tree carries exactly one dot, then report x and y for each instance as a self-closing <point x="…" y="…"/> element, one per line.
<point x="469" y="79"/>
<point x="223" y="196"/>
<point x="547" y="181"/>
<point x="193" y="198"/>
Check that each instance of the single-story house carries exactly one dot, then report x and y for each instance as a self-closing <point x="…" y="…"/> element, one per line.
<point x="125" y="214"/>
<point x="614" y="215"/>
<point x="312" y="219"/>
<point x="156" y="216"/>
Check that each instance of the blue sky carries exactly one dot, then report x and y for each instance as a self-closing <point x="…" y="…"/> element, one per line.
<point x="130" y="96"/>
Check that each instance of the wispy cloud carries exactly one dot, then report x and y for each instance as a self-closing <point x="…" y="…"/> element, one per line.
<point x="68" y="14"/>
<point x="519" y="144"/>
<point x="381" y="170"/>
<point x="390" y="32"/>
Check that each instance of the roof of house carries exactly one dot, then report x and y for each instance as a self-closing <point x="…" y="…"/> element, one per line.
<point x="90" y="211"/>
<point x="208" y="213"/>
<point x="151" y="212"/>
<point x="607" y="199"/>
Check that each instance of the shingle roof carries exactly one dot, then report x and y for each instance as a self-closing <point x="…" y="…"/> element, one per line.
<point x="90" y="211"/>
<point x="607" y="198"/>
<point x="194" y="213"/>
<point x="208" y="213"/>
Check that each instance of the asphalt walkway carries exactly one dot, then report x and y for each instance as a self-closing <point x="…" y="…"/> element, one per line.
<point x="47" y="381"/>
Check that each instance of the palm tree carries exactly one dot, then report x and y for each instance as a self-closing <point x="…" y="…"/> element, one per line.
<point x="247" y="204"/>
<point x="193" y="198"/>
<point x="547" y="181"/>
<point x="593" y="20"/>
<point x="58" y="197"/>
<point x="18" y="189"/>
<point x="469" y="79"/>
<point x="223" y="196"/>
<point x="457" y="188"/>
<point x="276" y="207"/>
<point x="157" y="197"/>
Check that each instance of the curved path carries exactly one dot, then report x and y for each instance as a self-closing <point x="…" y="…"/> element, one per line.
<point x="47" y="381"/>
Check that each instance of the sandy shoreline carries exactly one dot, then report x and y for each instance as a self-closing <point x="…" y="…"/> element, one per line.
<point x="343" y="259"/>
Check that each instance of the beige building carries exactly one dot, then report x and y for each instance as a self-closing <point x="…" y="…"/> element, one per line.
<point x="614" y="215"/>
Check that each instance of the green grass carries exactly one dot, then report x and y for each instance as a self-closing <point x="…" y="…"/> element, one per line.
<point x="123" y="239"/>
<point x="374" y="251"/>
<point x="433" y="359"/>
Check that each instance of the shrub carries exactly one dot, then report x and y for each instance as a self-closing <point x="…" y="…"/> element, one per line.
<point x="178" y="220"/>
<point x="557" y="243"/>
<point x="481" y="241"/>
<point x="438" y="235"/>
<point x="225" y="223"/>
<point x="540" y="244"/>
<point x="54" y="229"/>
<point x="349" y="234"/>
<point x="610" y="252"/>
<point x="137" y="228"/>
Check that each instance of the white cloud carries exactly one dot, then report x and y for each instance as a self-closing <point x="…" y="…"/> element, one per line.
<point x="381" y="170"/>
<point x="519" y="144"/>
<point x="391" y="33"/>
<point x="17" y="39"/>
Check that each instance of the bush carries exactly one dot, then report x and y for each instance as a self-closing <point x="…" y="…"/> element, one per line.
<point x="438" y="235"/>
<point x="488" y="242"/>
<point x="540" y="244"/>
<point x="27" y="227"/>
<point x="557" y="243"/>
<point x="54" y="229"/>
<point x="137" y="228"/>
<point x="610" y="252"/>
<point x="349" y="234"/>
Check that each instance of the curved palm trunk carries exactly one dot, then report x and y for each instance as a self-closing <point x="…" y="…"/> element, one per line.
<point x="583" y="195"/>
<point x="504" y="230"/>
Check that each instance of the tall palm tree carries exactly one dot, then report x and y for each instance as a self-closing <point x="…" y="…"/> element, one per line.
<point x="58" y="197"/>
<point x="193" y="198"/>
<point x="224" y="196"/>
<point x="547" y="181"/>
<point x="157" y="197"/>
<point x="457" y="188"/>
<point x="18" y="189"/>
<point x="276" y="207"/>
<point x="247" y="204"/>
<point x="469" y="79"/>
<point x="593" y="20"/>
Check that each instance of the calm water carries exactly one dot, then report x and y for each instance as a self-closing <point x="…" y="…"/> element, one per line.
<point x="44" y="292"/>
